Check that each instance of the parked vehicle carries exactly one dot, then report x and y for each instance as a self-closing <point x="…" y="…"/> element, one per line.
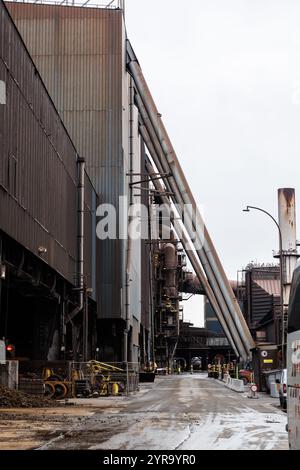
<point x="293" y="362"/>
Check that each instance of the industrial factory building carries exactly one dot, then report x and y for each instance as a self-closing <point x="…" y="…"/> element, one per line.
<point x="102" y="244"/>
<point x="65" y="294"/>
<point x="44" y="190"/>
<point x="80" y="53"/>
<point x="84" y="147"/>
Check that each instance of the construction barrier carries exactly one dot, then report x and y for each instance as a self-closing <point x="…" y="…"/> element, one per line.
<point x="235" y="384"/>
<point x="9" y="374"/>
<point x="274" y="390"/>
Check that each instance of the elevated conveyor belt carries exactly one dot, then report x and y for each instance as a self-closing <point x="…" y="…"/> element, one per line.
<point x="215" y="283"/>
<point x="195" y="263"/>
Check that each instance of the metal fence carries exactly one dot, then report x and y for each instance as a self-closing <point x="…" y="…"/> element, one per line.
<point x="64" y="379"/>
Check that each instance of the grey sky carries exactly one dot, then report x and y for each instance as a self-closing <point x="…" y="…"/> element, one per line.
<point x="226" y="77"/>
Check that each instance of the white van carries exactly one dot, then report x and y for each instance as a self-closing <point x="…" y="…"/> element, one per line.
<point x="293" y="362"/>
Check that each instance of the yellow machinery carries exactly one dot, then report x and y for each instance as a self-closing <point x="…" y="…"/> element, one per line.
<point x="55" y="386"/>
<point x="101" y="373"/>
<point x="97" y="374"/>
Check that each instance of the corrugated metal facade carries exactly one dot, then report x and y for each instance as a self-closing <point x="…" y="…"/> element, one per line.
<point x="80" y="55"/>
<point x="38" y="170"/>
<point x="262" y="294"/>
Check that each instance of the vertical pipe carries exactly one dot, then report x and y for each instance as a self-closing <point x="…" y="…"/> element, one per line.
<point x="85" y="326"/>
<point x="63" y="324"/>
<point x="129" y="241"/>
<point x="151" y="294"/>
<point x="0" y="284"/>
<point x="81" y="174"/>
<point x="80" y="280"/>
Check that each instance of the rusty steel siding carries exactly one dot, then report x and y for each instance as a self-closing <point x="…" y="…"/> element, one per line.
<point x="41" y="210"/>
<point x="79" y="53"/>
<point x="262" y="293"/>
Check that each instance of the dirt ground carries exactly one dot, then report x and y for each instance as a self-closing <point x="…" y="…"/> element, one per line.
<point x="184" y="412"/>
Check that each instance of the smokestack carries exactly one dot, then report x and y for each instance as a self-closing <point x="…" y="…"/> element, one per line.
<point x="287" y="224"/>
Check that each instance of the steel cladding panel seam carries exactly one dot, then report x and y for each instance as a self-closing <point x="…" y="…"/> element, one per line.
<point x="42" y="209"/>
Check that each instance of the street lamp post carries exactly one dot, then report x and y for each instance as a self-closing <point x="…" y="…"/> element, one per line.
<point x="281" y="277"/>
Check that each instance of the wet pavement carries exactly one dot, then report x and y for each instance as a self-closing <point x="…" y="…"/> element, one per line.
<point x="185" y="412"/>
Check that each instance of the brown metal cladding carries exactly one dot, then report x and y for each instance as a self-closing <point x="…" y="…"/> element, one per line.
<point x="38" y="170"/>
<point x="262" y="292"/>
<point x="79" y="53"/>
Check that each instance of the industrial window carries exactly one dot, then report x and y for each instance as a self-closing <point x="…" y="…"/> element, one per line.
<point x="12" y="175"/>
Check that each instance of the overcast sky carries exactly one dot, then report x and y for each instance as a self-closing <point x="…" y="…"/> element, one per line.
<point x="225" y="74"/>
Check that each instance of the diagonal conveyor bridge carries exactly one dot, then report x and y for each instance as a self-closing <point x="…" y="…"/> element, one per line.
<point x="194" y="237"/>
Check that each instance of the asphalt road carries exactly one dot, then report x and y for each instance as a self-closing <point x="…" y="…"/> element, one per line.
<point x="185" y="412"/>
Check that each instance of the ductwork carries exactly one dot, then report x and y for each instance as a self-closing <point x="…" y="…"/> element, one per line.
<point x="166" y="161"/>
<point x="80" y="238"/>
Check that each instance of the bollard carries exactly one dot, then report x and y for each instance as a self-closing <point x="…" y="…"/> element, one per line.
<point x="225" y="377"/>
<point x="192" y="370"/>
